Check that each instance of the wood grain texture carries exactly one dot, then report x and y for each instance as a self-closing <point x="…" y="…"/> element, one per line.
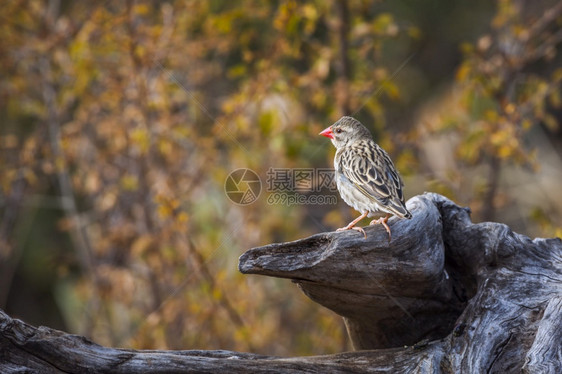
<point x="390" y="294"/>
<point x="444" y="296"/>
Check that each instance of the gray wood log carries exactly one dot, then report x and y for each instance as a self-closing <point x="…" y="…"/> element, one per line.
<point x="444" y="296"/>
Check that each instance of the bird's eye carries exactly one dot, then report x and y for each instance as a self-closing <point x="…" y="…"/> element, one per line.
<point x="339" y="131"/>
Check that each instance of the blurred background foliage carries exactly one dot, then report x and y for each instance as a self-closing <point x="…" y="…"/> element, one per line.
<point x="120" y="122"/>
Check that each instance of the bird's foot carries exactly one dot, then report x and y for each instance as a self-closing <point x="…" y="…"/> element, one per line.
<point x="352" y="224"/>
<point x="348" y="227"/>
<point x="382" y="221"/>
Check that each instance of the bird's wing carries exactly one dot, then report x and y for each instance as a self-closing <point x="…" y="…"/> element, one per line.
<point x="369" y="168"/>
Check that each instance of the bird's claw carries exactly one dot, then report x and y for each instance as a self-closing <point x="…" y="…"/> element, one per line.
<point x="353" y="228"/>
<point x="352" y="224"/>
<point x="382" y="221"/>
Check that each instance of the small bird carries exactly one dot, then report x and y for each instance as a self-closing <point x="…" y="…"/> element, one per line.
<point x="365" y="176"/>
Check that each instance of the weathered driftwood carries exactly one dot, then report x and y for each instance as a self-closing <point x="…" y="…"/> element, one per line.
<point x="390" y="294"/>
<point x="464" y="297"/>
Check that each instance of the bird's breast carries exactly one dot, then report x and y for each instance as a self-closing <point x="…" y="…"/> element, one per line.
<point x="354" y="197"/>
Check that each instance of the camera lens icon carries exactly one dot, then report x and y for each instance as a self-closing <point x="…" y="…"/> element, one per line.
<point x="242" y="186"/>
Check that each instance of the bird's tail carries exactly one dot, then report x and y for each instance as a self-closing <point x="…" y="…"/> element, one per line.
<point x="399" y="210"/>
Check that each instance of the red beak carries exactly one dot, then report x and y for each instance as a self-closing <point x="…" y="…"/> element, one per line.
<point x="327" y="133"/>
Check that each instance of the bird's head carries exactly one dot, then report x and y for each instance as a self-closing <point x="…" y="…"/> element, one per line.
<point x="345" y="131"/>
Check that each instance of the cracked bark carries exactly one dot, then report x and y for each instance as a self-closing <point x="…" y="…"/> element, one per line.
<point x="444" y="296"/>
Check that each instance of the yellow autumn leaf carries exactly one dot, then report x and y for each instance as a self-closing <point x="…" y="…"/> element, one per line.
<point x="141" y="244"/>
<point x="463" y="72"/>
<point x="182" y="217"/>
<point x="141" y="139"/>
<point x="164" y="211"/>
<point x="129" y="182"/>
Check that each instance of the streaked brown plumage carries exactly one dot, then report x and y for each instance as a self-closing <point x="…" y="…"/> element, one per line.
<point x="365" y="175"/>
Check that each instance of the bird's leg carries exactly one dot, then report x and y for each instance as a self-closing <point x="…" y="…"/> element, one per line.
<point x="382" y="221"/>
<point x="351" y="225"/>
